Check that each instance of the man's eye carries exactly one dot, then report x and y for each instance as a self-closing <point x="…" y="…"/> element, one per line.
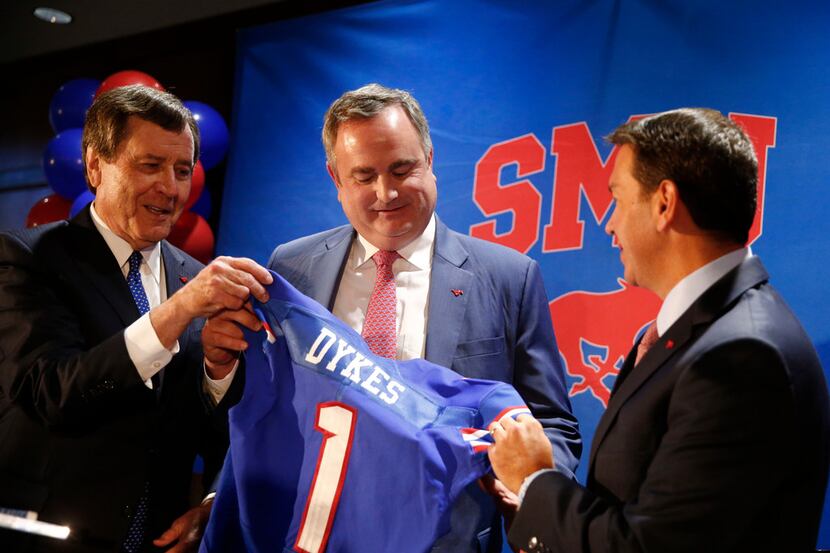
<point x="183" y="173"/>
<point x="364" y="179"/>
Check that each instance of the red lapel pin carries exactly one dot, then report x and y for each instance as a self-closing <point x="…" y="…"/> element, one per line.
<point x="183" y="279"/>
<point x="456" y="292"/>
<point x="669" y="344"/>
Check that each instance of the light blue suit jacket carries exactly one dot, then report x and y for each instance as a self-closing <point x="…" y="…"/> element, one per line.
<point x="497" y="328"/>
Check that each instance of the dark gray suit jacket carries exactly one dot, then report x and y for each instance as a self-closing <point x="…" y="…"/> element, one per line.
<point x="80" y="433"/>
<point x="716" y="441"/>
<point x="498" y="328"/>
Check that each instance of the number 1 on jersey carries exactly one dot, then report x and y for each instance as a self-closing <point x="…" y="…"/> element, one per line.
<point x="336" y="421"/>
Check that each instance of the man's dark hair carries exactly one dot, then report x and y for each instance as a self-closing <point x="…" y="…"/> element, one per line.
<point x="707" y="156"/>
<point x="105" y="126"/>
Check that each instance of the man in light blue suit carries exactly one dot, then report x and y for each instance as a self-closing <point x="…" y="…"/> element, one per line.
<point x="476" y="307"/>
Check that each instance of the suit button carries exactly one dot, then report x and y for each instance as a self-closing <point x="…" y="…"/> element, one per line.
<point x="532" y="543"/>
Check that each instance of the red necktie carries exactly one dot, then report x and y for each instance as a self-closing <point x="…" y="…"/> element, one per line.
<point x="379" y="326"/>
<point x="649" y="339"/>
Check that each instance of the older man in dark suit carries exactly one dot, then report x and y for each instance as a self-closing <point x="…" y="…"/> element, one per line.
<point x="104" y="397"/>
<point x="716" y="434"/>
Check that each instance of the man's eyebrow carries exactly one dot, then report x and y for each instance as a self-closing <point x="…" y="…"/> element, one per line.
<point x="362" y="169"/>
<point x="152" y="157"/>
<point x="401" y="162"/>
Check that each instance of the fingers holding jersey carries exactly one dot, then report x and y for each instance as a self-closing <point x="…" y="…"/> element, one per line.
<point x="520" y="449"/>
<point x="255" y="276"/>
<point x="226" y="283"/>
<point x="223" y="336"/>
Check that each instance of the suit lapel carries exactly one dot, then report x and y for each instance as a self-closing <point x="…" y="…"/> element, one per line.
<point x="175" y="277"/>
<point x="446" y="309"/>
<point x="719" y="297"/>
<point x="174" y="273"/>
<point x="98" y="266"/>
<point x="326" y="267"/>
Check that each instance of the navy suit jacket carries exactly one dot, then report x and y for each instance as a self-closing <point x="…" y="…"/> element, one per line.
<point x="716" y="441"/>
<point x="498" y="328"/>
<point x="81" y="434"/>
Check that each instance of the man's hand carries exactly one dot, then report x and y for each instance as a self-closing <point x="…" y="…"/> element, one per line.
<point x="521" y="449"/>
<point x="507" y="502"/>
<point x="223" y="339"/>
<point x="186" y="531"/>
<point x="226" y="283"/>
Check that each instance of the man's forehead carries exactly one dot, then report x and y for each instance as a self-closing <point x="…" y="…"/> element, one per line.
<point x="136" y="124"/>
<point x="144" y="134"/>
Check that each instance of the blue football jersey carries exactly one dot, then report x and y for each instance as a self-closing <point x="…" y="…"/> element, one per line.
<point x="336" y="449"/>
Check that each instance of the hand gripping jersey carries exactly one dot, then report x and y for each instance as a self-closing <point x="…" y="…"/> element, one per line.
<point x="335" y="449"/>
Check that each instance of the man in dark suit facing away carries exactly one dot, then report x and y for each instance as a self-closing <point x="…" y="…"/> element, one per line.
<point x="716" y="433"/>
<point x="104" y="397"/>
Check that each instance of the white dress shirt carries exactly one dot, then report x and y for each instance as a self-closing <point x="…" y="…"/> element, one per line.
<point x="412" y="277"/>
<point x="677" y="301"/>
<point x="693" y="285"/>
<point x="145" y="349"/>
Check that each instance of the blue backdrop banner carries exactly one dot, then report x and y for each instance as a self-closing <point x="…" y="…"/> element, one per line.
<point x="518" y="96"/>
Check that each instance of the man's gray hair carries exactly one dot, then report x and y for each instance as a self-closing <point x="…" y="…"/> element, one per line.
<point x="366" y="102"/>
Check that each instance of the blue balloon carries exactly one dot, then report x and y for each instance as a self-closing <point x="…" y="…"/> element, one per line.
<point x="70" y="103"/>
<point x="81" y="202"/>
<point x="203" y="205"/>
<point x="64" y="164"/>
<point x="213" y="132"/>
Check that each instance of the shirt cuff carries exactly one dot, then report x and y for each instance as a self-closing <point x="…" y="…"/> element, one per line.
<point x="527" y="481"/>
<point x="145" y="350"/>
<point x="218" y="388"/>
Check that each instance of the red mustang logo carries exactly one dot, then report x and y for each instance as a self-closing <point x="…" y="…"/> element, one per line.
<point x="595" y="331"/>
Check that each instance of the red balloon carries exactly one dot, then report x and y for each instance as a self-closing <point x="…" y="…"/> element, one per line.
<point x="125" y="78"/>
<point x="193" y="234"/>
<point x="48" y="209"/>
<point x="197" y="184"/>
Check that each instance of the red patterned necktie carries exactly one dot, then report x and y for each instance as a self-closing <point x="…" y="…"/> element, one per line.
<point x="379" y="326"/>
<point x="649" y="339"/>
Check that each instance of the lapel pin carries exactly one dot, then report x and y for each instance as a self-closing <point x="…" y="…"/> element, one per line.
<point x="457" y="292"/>
<point x="183" y="279"/>
<point x="669" y="344"/>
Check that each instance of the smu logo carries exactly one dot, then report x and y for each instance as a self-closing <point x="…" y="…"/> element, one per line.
<point x="595" y="329"/>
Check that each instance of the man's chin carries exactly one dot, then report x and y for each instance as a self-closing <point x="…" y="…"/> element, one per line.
<point x="391" y="238"/>
<point x="157" y="233"/>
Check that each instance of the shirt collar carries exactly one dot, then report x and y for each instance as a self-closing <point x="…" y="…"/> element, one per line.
<point x="122" y="249"/>
<point x="417" y="253"/>
<point x="693" y="285"/>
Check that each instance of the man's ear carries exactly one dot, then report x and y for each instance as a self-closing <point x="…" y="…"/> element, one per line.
<point x="334" y="179"/>
<point x="93" y="167"/>
<point x="665" y="203"/>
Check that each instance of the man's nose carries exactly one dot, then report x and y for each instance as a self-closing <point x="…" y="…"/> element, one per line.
<point x="168" y="182"/>
<point x="386" y="189"/>
<point x="609" y="226"/>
